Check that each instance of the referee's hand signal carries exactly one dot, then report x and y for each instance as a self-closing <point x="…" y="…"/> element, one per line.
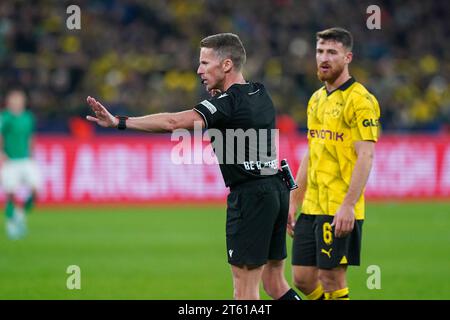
<point x="102" y="116"/>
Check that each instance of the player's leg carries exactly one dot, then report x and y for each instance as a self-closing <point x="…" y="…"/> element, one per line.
<point x="306" y="279"/>
<point x="9" y="216"/>
<point x="246" y="281"/>
<point x="32" y="179"/>
<point x="30" y="201"/>
<point x="10" y="182"/>
<point x="14" y="217"/>
<point x="334" y="255"/>
<point x="23" y="177"/>
<point x="9" y="206"/>
<point x="304" y="263"/>
<point x="334" y="282"/>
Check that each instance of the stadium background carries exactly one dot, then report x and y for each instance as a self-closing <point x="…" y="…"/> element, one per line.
<point x="141" y="227"/>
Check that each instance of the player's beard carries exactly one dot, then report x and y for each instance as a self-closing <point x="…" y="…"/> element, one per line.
<point x="332" y="74"/>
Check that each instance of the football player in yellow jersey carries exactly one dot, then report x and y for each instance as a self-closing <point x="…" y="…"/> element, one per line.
<point x="343" y="126"/>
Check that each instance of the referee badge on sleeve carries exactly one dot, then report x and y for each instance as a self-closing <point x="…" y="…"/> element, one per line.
<point x="209" y="106"/>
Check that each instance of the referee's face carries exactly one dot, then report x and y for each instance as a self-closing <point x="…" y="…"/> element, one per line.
<point x="332" y="58"/>
<point x="211" y="69"/>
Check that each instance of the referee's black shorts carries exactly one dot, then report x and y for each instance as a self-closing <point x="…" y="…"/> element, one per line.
<point x="256" y="222"/>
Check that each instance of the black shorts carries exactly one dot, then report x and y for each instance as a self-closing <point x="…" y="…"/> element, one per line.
<point x="256" y="222"/>
<point x="315" y="245"/>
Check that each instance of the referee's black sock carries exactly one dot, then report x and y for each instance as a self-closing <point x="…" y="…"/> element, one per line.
<point x="290" y="295"/>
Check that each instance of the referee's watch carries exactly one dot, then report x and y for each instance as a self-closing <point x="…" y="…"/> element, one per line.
<point x="122" y="122"/>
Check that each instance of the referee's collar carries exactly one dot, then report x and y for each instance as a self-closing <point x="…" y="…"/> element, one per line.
<point x="343" y="86"/>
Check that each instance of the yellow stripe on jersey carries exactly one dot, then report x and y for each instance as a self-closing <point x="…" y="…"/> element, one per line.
<point x="335" y="121"/>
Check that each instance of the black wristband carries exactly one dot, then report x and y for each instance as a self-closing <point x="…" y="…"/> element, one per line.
<point x="122" y="122"/>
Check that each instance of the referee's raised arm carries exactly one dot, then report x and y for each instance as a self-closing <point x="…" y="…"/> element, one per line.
<point x="160" y="122"/>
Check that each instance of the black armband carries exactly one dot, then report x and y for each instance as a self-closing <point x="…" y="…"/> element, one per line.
<point x="122" y="122"/>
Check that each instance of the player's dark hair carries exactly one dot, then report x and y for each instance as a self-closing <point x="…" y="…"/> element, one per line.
<point x="337" y="34"/>
<point x="227" y="45"/>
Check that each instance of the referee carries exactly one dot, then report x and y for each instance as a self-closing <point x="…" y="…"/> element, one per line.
<point x="258" y="202"/>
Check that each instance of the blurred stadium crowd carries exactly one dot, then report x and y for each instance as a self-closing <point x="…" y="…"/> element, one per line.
<point x="141" y="56"/>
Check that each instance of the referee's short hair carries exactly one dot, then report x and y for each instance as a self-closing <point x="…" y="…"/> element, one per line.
<point x="227" y="45"/>
<point x="337" y="34"/>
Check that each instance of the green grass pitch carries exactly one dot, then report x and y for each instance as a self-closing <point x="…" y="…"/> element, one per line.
<point x="178" y="252"/>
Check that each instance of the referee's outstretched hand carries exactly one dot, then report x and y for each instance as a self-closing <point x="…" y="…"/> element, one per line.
<point x="102" y="116"/>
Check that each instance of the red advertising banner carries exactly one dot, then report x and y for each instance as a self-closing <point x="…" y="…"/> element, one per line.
<point x="112" y="169"/>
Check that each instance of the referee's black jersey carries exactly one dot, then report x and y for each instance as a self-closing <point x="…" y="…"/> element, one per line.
<point x="244" y="137"/>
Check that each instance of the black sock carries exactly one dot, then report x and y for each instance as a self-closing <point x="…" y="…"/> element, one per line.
<point x="290" y="295"/>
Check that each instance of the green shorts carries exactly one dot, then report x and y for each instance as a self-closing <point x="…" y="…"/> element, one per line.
<point x="315" y="245"/>
<point x="256" y="222"/>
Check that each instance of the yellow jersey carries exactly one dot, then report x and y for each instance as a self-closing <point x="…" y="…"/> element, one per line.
<point x="335" y="121"/>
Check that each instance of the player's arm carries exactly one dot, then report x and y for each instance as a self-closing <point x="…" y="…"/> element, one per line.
<point x="344" y="220"/>
<point x="161" y="122"/>
<point x="3" y="156"/>
<point x="296" y="195"/>
<point x="33" y="136"/>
